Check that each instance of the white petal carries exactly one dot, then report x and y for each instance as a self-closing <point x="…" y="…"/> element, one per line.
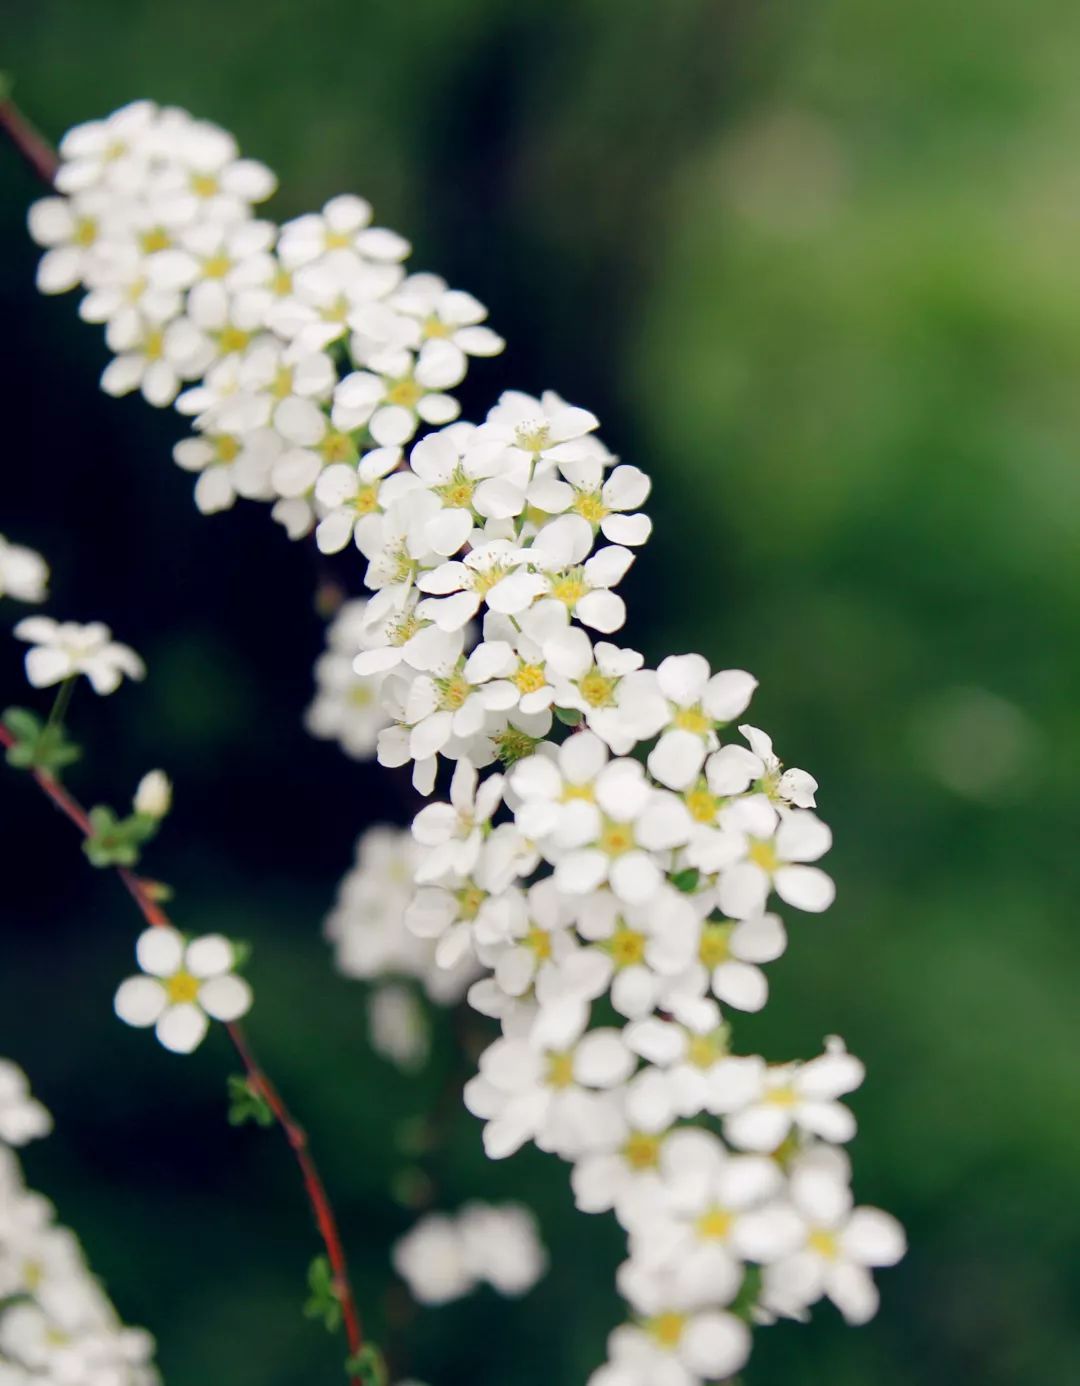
<point x="602" y="1060"/>
<point x="208" y="956"/>
<point x="225" y="998"/>
<point x="160" y="951"/>
<point x="182" y="1028"/>
<point x="806" y="887"/>
<point x="140" y="1001"/>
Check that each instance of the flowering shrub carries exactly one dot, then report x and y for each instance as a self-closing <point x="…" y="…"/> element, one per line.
<point x="598" y="880"/>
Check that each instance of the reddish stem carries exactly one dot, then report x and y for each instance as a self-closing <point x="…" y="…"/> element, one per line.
<point x="31" y="144"/>
<point x="257" y="1077"/>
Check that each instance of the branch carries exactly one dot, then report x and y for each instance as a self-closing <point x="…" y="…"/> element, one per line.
<point x="257" y="1077"/>
<point x="31" y="144"/>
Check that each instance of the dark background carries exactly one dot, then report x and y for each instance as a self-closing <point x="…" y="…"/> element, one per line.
<point x="817" y="267"/>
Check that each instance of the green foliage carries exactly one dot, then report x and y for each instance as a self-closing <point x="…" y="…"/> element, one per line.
<point x="323" y="1301"/>
<point x="687" y="880"/>
<point x="369" y="1365"/>
<point x="245" y="1104"/>
<point x="568" y="716"/>
<point x="114" y="841"/>
<point x="39" y="745"/>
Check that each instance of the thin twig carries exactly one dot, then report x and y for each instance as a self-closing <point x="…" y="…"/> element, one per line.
<point x="31" y="144"/>
<point x="294" y="1133"/>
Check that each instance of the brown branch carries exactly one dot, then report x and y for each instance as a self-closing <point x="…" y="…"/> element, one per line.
<point x="31" y="144"/>
<point x="260" y="1082"/>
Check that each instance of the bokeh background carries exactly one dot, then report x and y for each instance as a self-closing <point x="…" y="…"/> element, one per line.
<point x="817" y="267"/>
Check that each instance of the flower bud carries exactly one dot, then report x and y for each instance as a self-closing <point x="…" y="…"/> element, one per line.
<point x="154" y="794"/>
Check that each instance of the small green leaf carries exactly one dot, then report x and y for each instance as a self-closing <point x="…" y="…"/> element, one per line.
<point x="369" y="1365"/>
<point x="568" y="716"/>
<point x="38" y="745"/>
<point x="686" y="881"/>
<point x="241" y="952"/>
<point x="116" y="841"/>
<point x="245" y="1104"/>
<point x="323" y="1301"/>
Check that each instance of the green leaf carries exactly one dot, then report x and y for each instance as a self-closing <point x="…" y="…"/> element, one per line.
<point x="246" y="1104"/>
<point x="323" y="1301"/>
<point x="749" y="1292"/>
<point x="369" y="1365"/>
<point x="686" y="881"/>
<point x="568" y="716"/>
<point x="38" y="746"/>
<point x="116" y="841"/>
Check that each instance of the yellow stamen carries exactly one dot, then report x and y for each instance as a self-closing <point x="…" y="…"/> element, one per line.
<point x="597" y="690"/>
<point x="692" y="719"/>
<point x="642" y="1150"/>
<point x="762" y="853"/>
<point x="181" y="988"/>
<point x="714" y="947"/>
<point x="560" y="1070"/>
<point x="406" y="393"/>
<point x="715" y="1225"/>
<point x="530" y="678"/>
<point x="626" y="946"/>
<point x="590" y="506"/>
<point x="667" y="1329"/>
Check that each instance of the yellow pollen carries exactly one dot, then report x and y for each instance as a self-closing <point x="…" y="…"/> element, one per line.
<point x="597" y="690"/>
<point x="157" y="238"/>
<point x="85" y="232"/>
<point x="406" y="393"/>
<point x="590" y="506"/>
<point x="458" y="491"/>
<point x="338" y="240"/>
<point x="469" y="899"/>
<point x="705" y="1050"/>
<point x="714" y="944"/>
<point x="204" y="184"/>
<point x="539" y="940"/>
<point x="154" y="345"/>
<point x="569" y="589"/>
<point x="337" y="447"/>
<point x="667" y="1329"/>
<point x="485" y="579"/>
<point x="233" y="339"/>
<point x="228" y="449"/>
<point x="216" y="267"/>
<point x="455" y="690"/>
<point x="435" y="327"/>
<point x="115" y="150"/>
<point x="530" y="678"/>
<point x="763" y="854"/>
<point x="560" y="1070"/>
<point x="33" y="1274"/>
<point x="702" y="805"/>
<point x="642" y="1151"/>
<point x="578" y="791"/>
<point x="136" y="289"/>
<point x="824" y="1243"/>
<point x="692" y="719"/>
<point x="533" y="437"/>
<point x="781" y="1097"/>
<point x="181" y="988"/>
<point x="626" y="946"/>
<point x="715" y="1225"/>
<point x="366" y="500"/>
<point x="337" y="311"/>
<point x="281" y="283"/>
<point x="282" y="384"/>
<point x="616" y="838"/>
<point x="404" y="630"/>
<point x="360" y="695"/>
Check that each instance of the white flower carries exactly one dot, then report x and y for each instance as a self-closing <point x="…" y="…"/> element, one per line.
<point x="71" y="231"/>
<point x="642" y="945"/>
<point x="547" y="430"/>
<point x="22" y="1117"/>
<point x="63" y="649"/>
<point x="601" y="503"/>
<point x="24" y="574"/>
<point x="544" y="1087"/>
<point x="490" y="573"/>
<point x="397" y="1024"/>
<point x="343" y="224"/>
<point x="452" y="833"/>
<point x="701" y="1072"/>
<point x="774" y="849"/>
<point x="501" y="1244"/>
<point x="837" y="1246"/>
<point x="114" y="151"/>
<point x="803" y="1096"/>
<point x="470" y="479"/>
<point x="153" y="359"/>
<point x="733" y="769"/>
<point x="184" y="984"/>
<point x="443" y="314"/>
<point x="675" y="1348"/>
<point x="153" y="795"/>
<point x="229" y="465"/>
<point x="348" y="493"/>
<point x="731" y="951"/>
<point x="430" y="1258"/>
<point x="698" y="700"/>
<point x="598" y="820"/>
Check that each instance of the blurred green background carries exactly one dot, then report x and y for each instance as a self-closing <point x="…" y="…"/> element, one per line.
<point x="817" y="267"/>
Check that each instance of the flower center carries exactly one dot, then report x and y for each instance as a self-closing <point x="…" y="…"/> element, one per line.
<point x="435" y="327"/>
<point x="204" y="184"/>
<point x="404" y="630"/>
<point x="578" y="791"/>
<point x="702" y="805"/>
<point x="155" y="345"/>
<point x="227" y="447"/>
<point x="216" y="267"/>
<point x="560" y="1069"/>
<point x="233" y="339"/>
<point x="530" y="678"/>
<point x="714" y="947"/>
<point x="366" y="500"/>
<point x="692" y="719"/>
<point x="484" y="579"/>
<point x="337" y="447"/>
<point x="762" y="853"/>
<point x="590" y="506"/>
<point x="469" y="900"/>
<point x="626" y="946"/>
<point x="85" y="232"/>
<point x="539" y="940"/>
<point x="705" y="1050"/>
<point x="715" y="1225"/>
<point x="157" y="238"/>
<point x="824" y="1243"/>
<point x="570" y="587"/>
<point x="783" y="1096"/>
<point x="281" y="284"/>
<point x="453" y="692"/>
<point x="360" y="695"/>
<point x="458" y="491"/>
<point x="406" y="393"/>
<point x="597" y="690"/>
<point x="642" y="1150"/>
<point x="532" y="436"/>
<point x="281" y="387"/>
<point x="338" y="240"/>
<point x="667" y="1329"/>
<point x="616" y="838"/>
<point x="181" y="988"/>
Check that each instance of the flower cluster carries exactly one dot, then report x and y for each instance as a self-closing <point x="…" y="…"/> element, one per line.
<point x="371" y="942"/>
<point x="310" y="345"/>
<point x="443" y="1258"/>
<point x="57" y="1326"/>
<point x="608" y="884"/>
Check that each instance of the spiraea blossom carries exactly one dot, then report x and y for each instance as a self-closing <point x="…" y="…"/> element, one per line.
<point x="56" y="1322"/>
<point x="183" y="986"/>
<point x="443" y="1258"/>
<point x="24" y="574"/>
<point x="615" y="838"/>
<point x="64" y="649"/>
